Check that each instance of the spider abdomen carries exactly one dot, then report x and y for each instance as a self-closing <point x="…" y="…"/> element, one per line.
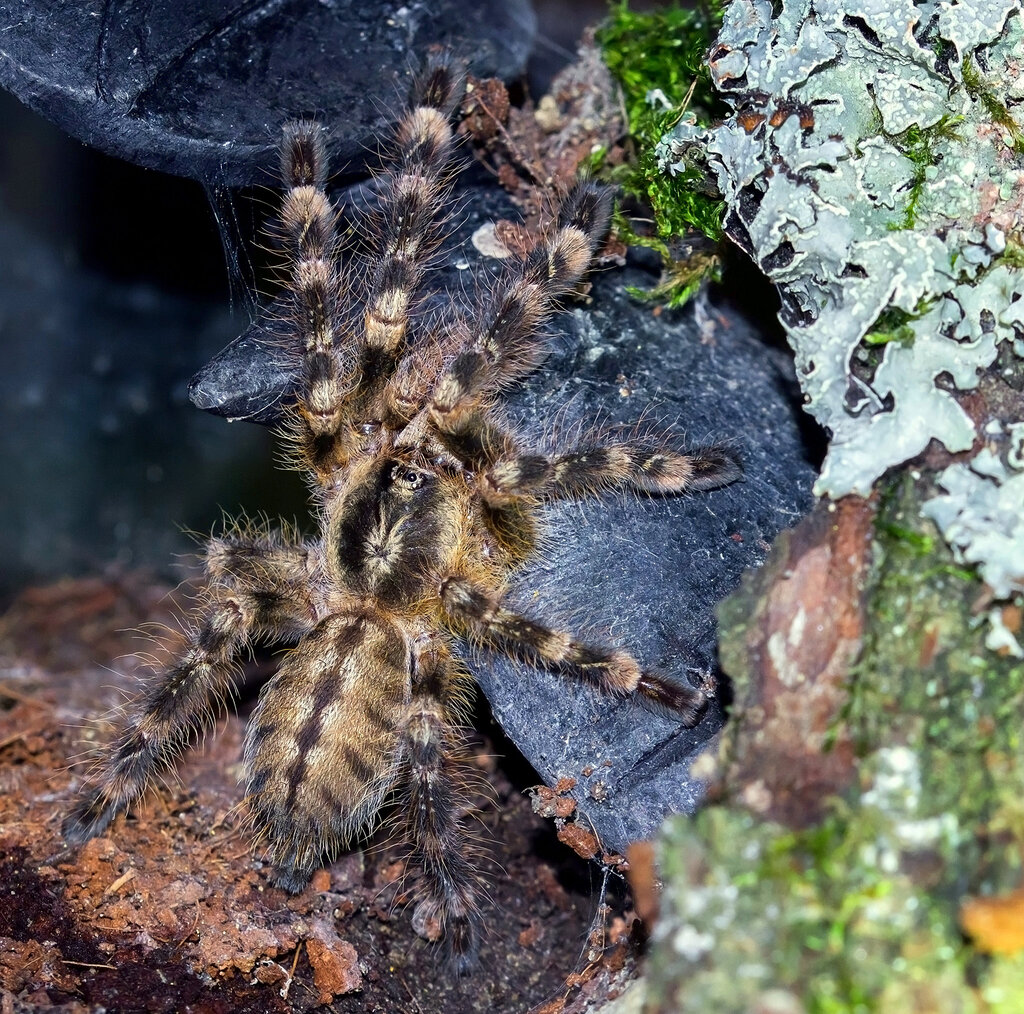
<point x="322" y="748"/>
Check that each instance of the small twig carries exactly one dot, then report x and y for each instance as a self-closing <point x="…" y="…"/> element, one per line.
<point x="119" y="883"/>
<point x="535" y="169"/>
<point x="686" y="102"/>
<point x="15" y="736"/>
<point x="412" y="996"/>
<point x="192" y="929"/>
<point x="309" y="989"/>
<point x="8" y="691"/>
<point x="87" y="964"/>
<point x="291" y="974"/>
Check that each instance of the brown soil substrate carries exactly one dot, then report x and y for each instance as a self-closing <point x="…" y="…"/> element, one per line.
<point x="172" y="911"/>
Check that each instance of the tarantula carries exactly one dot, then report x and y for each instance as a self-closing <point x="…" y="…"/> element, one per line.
<point x="426" y="501"/>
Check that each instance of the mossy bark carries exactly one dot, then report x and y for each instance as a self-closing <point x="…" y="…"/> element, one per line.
<point x="878" y="867"/>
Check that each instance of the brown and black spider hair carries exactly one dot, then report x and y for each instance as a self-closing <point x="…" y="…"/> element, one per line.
<point x="427" y="502"/>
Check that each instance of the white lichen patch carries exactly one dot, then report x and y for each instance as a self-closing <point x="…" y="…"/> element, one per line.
<point x="704" y="913"/>
<point x="692" y="944"/>
<point x="1000" y="638"/>
<point x="895" y="787"/>
<point x="873" y="168"/>
<point x="891" y="802"/>
<point x="982" y="515"/>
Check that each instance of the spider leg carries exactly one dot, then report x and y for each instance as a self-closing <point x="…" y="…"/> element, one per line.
<point x="181" y="701"/>
<point x="613" y="671"/>
<point x="274" y="565"/>
<point x="447" y="885"/>
<point x="415" y="187"/>
<point x="306" y="223"/>
<point x="343" y="376"/>
<point x="598" y="466"/>
<point x="505" y="344"/>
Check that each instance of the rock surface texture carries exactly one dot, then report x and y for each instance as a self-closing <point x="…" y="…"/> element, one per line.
<point x="202" y="89"/>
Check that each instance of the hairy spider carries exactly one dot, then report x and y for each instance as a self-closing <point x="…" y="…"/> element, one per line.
<point x="427" y="502"/>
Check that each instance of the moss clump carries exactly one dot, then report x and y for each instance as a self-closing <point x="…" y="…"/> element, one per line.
<point x="861" y="912"/>
<point x="1013" y="255"/>
<point x="920" y="146"/>
<point x="658" y="59"/>
<point x="980" y="91"/>
<point x="893" y="325"/>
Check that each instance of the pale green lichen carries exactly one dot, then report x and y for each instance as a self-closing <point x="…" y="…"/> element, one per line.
<point x="981" y="513"/>
<point x="872" y="167"/>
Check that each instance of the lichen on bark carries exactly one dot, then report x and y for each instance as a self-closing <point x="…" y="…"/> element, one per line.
<point x="899" y="890"/>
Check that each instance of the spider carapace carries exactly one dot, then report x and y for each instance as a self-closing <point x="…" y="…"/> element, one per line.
<point x="427" y="502"/>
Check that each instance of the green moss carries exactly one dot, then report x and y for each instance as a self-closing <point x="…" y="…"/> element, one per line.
<point x="919" y="145"/>
<point x="859" y="913"/>
<point x="979" y="91"/>
<point x="1004" y="985"/>
<point x="682" y="276"/>
<point x="893" y="325"/>
<point x="1013" y="255"/>
<point x="924" y="657"/>
<point x="663" y="51"/>
<point x="593" y="164"/>
<point x="821" y="916"/>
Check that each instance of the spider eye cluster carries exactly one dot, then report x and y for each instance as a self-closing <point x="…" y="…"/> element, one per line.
<point x="408" y="477"/>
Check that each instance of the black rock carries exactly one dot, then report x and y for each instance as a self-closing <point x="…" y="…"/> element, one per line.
<point x="643" y="572"/>
<point x="202" y="89"/>
<point x="245" y="380"/>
